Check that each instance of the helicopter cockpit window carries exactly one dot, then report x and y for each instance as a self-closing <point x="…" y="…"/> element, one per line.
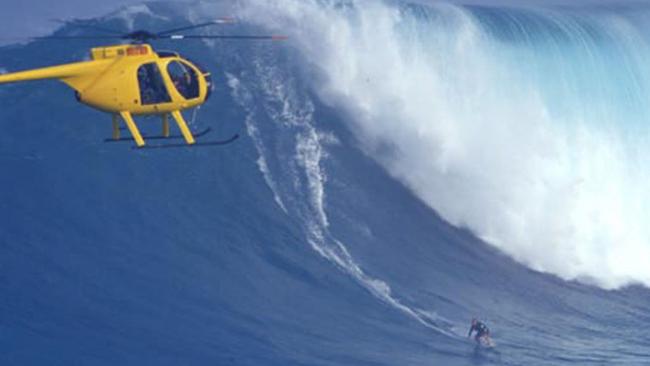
<point x="152" y="85"/>
<point x="185" y="79"/>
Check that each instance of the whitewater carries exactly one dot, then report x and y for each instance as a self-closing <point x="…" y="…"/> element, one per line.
<point x="527" y="126"/>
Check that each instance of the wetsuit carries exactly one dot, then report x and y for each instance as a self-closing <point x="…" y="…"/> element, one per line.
<point x="481" y="331"/>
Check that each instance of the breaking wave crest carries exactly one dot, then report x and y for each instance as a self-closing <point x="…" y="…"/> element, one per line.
<point x="527" y="126"/>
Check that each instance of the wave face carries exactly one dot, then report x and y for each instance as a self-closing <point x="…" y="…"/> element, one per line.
<point x="381" y="147"/>
<point x="527" y="126"/>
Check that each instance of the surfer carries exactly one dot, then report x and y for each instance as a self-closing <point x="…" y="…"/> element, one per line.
<point x="482" y="332"/>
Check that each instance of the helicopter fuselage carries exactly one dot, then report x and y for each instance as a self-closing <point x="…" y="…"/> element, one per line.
<point x="127" y="80"/>
<point x="130" y="78"/>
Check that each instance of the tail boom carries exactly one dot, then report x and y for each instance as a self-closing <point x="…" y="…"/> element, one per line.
<point x="65" y="73"/>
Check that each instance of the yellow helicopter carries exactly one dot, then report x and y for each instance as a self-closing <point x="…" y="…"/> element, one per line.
<point x="133" y="79"/>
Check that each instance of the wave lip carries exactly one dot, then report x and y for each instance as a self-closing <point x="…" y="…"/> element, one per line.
<point x="523" y="125"/>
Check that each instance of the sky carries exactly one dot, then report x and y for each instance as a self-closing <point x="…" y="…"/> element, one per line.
<point x="29" y="18"/>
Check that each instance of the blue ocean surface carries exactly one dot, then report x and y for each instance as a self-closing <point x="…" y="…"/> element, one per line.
<point x="402" y="167"/>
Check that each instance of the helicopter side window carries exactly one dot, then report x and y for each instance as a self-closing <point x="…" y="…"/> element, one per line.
<point x="185" y="79"/>
<point x="152" y="85"/>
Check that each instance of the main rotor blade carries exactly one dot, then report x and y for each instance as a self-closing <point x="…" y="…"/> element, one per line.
<point x="214" y="22"/>
<point x="74" y="37"/>
<point x="182" y="36"/>
<point x="88" y="26"/>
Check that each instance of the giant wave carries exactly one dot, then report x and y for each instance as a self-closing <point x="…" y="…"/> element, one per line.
<point x="527" y="126"/>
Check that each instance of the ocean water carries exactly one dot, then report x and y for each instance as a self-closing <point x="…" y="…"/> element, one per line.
<point x="402" y="168"/>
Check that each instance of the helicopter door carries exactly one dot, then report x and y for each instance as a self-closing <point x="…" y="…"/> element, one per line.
<point x="184" y="78"/>
<point x="152" y="85"/>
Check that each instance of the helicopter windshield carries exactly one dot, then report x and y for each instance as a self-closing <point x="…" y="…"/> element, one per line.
<point x="184" y="78"/>
<point x="206" y="75"/>
<point x="152" y="85"/>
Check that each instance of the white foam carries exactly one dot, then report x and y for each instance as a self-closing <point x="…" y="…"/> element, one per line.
<point x="129" y="13"/>
<point x="309" y="153"/>
<point x="242" y="96"/>
<point x="533" y="163"/>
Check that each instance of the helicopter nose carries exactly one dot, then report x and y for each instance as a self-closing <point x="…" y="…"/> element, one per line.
<point x="210" y="85"/>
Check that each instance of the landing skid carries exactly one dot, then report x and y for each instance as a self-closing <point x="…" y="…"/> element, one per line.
<point x="160" y="137"/>
<point x="184" y="145"/>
